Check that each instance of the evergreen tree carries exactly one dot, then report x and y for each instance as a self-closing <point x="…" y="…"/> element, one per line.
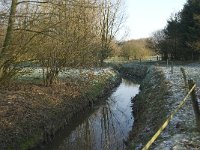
<point x="181" y="36"/>
<point x="172" y="37"/>
<point x="190" y="29"/>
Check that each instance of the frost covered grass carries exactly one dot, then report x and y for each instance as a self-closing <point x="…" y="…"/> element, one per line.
<point x="181" y="132"/>
<point x="36" y="74"/>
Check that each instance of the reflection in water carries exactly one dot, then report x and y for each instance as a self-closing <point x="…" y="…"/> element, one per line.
<point x="106" y="127"/>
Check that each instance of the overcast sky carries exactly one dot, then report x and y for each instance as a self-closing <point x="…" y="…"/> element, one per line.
<point x="147" y="16"/>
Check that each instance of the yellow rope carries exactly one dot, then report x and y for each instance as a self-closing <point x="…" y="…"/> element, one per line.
<point x="167" y="121"/>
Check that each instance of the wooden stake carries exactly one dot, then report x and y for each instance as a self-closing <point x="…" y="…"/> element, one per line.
<point x="184" y="76"/>
<point x="195" y="103"/>
<point x="172" y="68"/>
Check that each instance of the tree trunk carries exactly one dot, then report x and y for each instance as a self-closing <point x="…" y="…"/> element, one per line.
<point x="8" y="37"/>
<point x="4" y="53"/>
<point x="51" y="76"/>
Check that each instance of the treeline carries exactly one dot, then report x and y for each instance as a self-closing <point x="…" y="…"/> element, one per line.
<point x="180" y="39"/>
<point x="56" y="34"/>
<point x="136" y="49"/>
<point x="132" y="50"/>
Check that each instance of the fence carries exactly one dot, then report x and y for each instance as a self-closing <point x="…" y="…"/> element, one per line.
<point x="192" y="92"/>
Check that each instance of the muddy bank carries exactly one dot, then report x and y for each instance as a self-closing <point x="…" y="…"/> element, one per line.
<point x="32" y="114"/>
<point x="148" y="107"/>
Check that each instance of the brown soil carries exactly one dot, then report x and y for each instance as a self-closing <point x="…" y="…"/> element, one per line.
<point x="23" y="106"/>
<point x="30" y="113"/>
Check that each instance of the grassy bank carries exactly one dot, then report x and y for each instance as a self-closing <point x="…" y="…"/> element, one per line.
<point x="32" y="113"/>
<point x="149" y="105"/>
<point x="161" y="92"/>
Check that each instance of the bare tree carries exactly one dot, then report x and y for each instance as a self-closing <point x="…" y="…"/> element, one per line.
<point x="59" y="33"/>
<point x="6" y="51"/>
<point x="110" y="22"/>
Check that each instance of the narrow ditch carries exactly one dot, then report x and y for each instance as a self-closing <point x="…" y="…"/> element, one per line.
<point x="105" y="126"/>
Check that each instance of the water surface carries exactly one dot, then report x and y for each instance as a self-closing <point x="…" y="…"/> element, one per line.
<point x="103" y="128"/>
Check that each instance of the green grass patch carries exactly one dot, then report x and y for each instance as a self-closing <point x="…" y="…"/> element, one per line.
<point x="31" y="141"/>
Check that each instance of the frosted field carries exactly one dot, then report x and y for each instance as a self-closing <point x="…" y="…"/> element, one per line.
<point x="83" y="74"/>
<point x="180" y="133"/>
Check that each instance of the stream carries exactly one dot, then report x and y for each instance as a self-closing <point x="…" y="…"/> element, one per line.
<point x="105" y="127"/>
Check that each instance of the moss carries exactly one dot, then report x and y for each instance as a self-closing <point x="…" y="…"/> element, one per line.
<point x="30" y="142"/>
<point x="95" y="90"/>
<point x="10" y="148"/>
<point x="27" y="143"/>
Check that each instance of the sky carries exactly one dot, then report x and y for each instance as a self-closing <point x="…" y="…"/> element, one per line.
<point x="146" y="16"/>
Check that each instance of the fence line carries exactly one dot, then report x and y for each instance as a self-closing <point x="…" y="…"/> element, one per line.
<point x="147" y="146"/>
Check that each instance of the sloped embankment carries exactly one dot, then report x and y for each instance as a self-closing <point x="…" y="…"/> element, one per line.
<point x="31" y="114"/>
<point x="134" y="72"/>
<point x="181" y="132"/>
<point x="161" y="93"/>
<point x="149" y="107"/>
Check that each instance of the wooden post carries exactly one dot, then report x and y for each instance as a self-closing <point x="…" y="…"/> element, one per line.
<point x="195" y="103"/>
<point x="167" y="63"/>
<point x="172" y="68"/>
<point x="184" y="76"/>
